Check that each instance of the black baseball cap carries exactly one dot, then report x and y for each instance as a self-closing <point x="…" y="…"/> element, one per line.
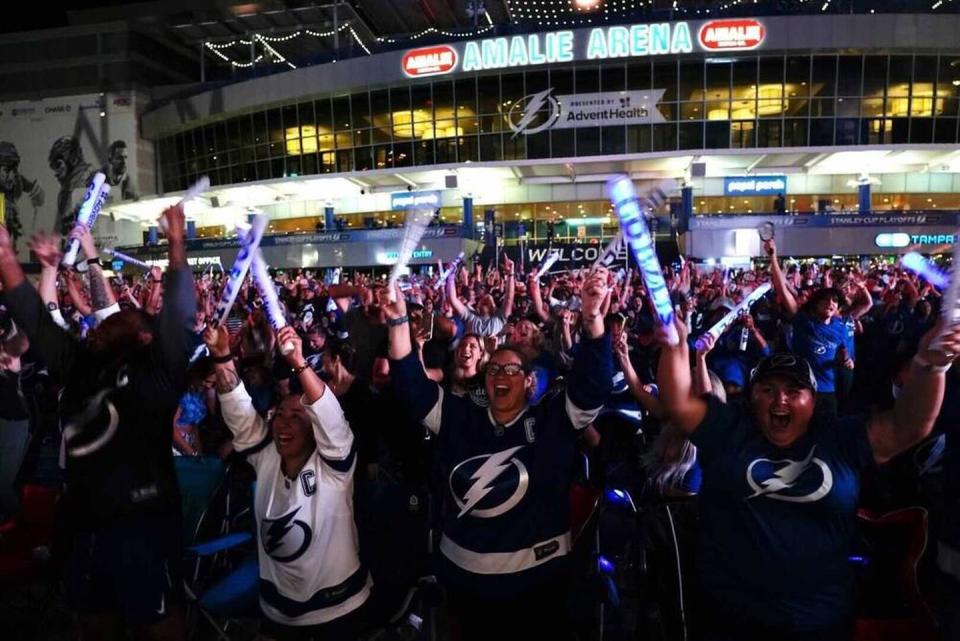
<point x="790" y="366"/>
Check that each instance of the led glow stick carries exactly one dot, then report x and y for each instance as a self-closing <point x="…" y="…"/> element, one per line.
<point x="731" y="316"/>
<point x="926" y="270"/>
<point x="451" y="269"/>
<point x="609" y="255"/>
<point x="92" y="202"/>
<point x="553" y="257"/>
<point x="637" y="233"/>
<point x="268" y="293"/>
<point x="249" y="243"/>
<point x="130" y="260"/>
<point x="416" y="225"/>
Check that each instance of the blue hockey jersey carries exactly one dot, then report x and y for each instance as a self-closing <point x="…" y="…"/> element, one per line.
<point x="505" y="514"/>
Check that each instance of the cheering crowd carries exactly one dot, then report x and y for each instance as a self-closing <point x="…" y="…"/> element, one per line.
<point x="485" y="398"/>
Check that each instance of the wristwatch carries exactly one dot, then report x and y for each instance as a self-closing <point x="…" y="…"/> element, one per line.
<point x="51" y="306"/>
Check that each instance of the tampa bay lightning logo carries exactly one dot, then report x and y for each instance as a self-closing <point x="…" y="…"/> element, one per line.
<point x="489" y="485"/>
<point x="803" y="481"/>
<point x="533" y="113"/>
<point x="285" y="539"/>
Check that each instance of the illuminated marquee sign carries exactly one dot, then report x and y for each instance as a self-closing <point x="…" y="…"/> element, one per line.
<point x="900" y="239"/>
<point x="600" y="43"/>
<point x="732" y="35"/>
<point x="754" y="185"/>
<point x="429" y="61"/>
<point x="404" y="199"/>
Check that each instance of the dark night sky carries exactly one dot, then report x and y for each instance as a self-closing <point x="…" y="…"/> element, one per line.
<point x="48" y="15"/>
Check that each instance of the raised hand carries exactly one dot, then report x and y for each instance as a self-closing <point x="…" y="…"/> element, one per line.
<point x="394" y="309"/>
<point x="217" y="340"/>
<point x="947" y="349"/>
<point x="47" y="249"/>
<point x="82" y="233"/>
<point x="289" y="336"/>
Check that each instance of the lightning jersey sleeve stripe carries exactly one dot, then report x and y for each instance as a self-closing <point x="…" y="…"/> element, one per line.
<point x="248" y="428"/>
<point x="423" y="397"/>
<point x="590" y="381"/>
<point x="332" y="432"/>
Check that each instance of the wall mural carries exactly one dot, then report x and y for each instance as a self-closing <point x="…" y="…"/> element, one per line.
<point x="49" y="149"/>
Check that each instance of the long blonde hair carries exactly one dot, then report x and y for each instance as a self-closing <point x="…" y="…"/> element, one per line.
<point x="672" y="455"/>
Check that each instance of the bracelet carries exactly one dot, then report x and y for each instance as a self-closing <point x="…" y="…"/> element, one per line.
<point x="394" y="322"/>
<point x="298" y="370"/>
<point x="95" y="261"/>
<point x="930" y="367"/>
<point x="220" y="360"/>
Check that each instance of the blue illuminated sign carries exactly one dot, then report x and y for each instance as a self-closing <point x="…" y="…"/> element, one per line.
<point x="404" y="199"/>
<point x="754" y="185"/>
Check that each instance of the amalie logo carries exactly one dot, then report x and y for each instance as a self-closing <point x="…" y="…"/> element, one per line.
<point x="732" y="35"/>
<point x="429" y="61"/>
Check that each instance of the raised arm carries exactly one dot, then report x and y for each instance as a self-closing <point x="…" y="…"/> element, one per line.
<point x="451" y="290"/>
<point x="591" y="376"/>
<point x="102" y="299"/>
<point x="330" y="427"/>
<point x="682" y="407"/>
<point x="533" y="287"/>
<point x="918" y="405"/>
<point x="47" y="250"/>
<point x="637" y="389"/>
<point x="248" y="428"/>
<point x="176" y="318"/>
<point x="423" y="397"/>
<point x="700" y="383"/>
<point x="862" y="302"/>
<point x="511" y="286"/>
<point x="784" y="295"/>
<point x="58" y="348"/>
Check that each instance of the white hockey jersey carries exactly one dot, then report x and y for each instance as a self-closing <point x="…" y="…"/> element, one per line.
<point x="310" y="570"/>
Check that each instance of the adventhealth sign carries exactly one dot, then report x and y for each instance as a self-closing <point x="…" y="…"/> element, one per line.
<point x="601" y="43"/>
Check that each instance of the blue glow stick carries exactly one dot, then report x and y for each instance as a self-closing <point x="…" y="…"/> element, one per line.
<point x="249" y="242"/>
<point x="127" y="259"/>
<point x="926" y="270"/>
<point x="92" y="202"/>
<point x="451" y="269"/>
<point x="630" y="209"/>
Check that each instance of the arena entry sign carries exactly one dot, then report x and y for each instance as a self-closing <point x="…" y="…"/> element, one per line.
<point x="599" y="43"/>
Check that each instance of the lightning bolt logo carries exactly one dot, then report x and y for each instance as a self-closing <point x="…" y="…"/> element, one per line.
<point x="533" y="104"/>
<point x="484" y="481"/>
<point x="273" y="533"/>
<point x="788" y="476"/>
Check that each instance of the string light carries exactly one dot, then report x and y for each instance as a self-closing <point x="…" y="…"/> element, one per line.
<point x="359" y="41"/>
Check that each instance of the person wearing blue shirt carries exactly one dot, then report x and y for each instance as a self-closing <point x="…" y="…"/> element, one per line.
<point x="506" y="470"/>
<point x="819" y="332"/>
<point x="781" y="486"/>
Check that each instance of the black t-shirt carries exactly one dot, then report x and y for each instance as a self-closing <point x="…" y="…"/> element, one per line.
<point x="368" y="339"/>
<point x="131" y="473"/>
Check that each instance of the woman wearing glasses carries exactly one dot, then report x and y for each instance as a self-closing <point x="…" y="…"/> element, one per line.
<point x="781" y="486"/>
<point x="505" y="470"/>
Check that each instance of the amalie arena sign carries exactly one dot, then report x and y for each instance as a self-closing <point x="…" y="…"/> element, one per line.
<point x="601" y="43"/>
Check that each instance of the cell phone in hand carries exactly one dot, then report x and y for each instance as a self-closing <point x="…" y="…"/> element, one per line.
<point x="426" y="325"/>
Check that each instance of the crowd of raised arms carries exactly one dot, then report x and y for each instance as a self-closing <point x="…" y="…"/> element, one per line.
<point x="482" y="400"/>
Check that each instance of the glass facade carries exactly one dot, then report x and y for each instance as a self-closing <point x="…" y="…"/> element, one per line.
<point x="742" y="102"/>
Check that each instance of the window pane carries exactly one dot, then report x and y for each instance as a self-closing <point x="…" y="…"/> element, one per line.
<point x="488" y="94"/>
<point x="360" y="106"/>
<point x="341" y="114"/>
<point x="849" y="76"/>
<point x="638" y="75"/>
<point x="900" y="75"/>
<point x="611" y="78"/>
<point x="691" y="81"/>
<point x="798" y="74"/>
<point x="874" y="76"/>
<point x="824" y="76"/>
<point x="665" y="77"/>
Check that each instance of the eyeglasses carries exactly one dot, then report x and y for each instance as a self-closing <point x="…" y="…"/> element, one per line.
<point x="510" y="369"/>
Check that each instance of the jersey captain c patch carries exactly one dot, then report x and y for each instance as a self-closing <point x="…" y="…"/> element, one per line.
<point x="489" y="485"/>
